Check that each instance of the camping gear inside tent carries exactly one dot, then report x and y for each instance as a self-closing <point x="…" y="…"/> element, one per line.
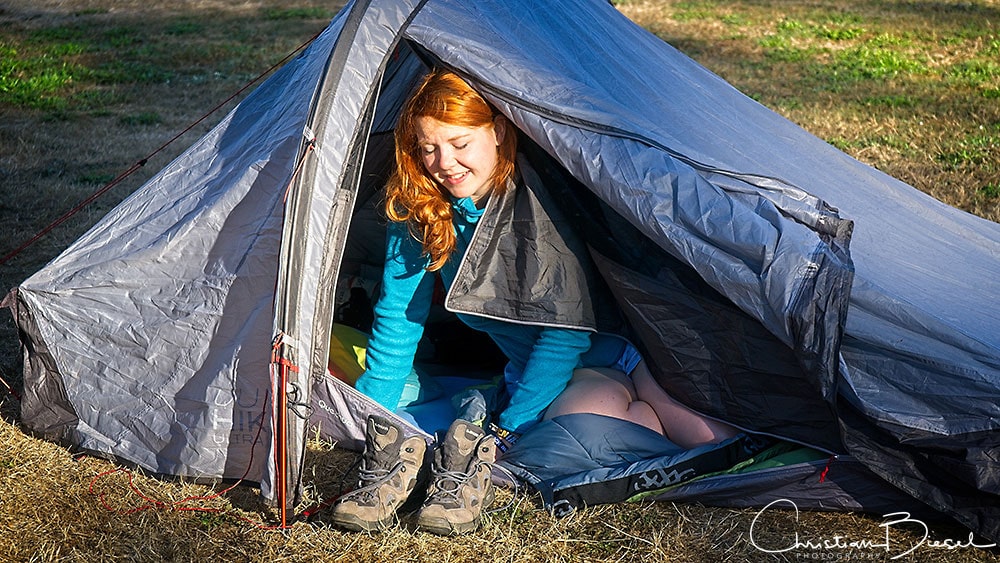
<point x="845" y="320"/>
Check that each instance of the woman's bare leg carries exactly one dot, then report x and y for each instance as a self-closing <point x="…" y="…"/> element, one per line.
<point x="683" y="426"/>
<point x="604" y="391"/>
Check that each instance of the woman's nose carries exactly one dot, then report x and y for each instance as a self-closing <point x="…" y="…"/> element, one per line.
<point x="446" y="158"/>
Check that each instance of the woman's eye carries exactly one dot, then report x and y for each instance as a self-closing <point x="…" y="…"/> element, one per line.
<point x="460" y="147"/>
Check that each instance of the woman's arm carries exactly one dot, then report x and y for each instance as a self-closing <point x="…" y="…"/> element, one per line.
<point x="547" y="371"/>
<point x="400" y="314"/>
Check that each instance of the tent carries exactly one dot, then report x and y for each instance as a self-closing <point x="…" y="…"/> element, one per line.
<point x="773" y="281"/>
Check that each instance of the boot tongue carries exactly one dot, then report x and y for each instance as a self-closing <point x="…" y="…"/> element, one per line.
<point x="382" y="438"/>
<point x="459" y="445"/>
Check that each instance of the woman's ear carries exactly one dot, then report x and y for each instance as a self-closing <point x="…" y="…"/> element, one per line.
<point x="499" y="128"/>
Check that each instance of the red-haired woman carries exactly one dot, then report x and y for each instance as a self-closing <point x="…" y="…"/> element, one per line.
<point x="453" y="154"/>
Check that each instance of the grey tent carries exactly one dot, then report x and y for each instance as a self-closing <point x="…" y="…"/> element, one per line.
<point x="773" y="281"/>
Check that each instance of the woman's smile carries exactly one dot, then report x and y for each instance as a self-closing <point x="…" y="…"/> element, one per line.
<point x="461" y="159"/>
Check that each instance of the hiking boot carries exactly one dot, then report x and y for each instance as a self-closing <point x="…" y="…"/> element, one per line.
<point x="461" y="483"/>
<point x="388" y="474"/>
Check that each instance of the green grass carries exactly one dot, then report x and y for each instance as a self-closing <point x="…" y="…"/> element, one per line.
<point x="873" y="62"/>
<point x="142" y="118"/>
<point x="64" y="69"/>
<point x="990" y="191"/>
<point x="980" y="150"/>
<point x="891" y="101"/>
<point x="35" y="78"/>
<point x="975" y="72"/>
<point x="298" y="14"/>
<point x="835" y="32"/>
<point x="689" y="11"/>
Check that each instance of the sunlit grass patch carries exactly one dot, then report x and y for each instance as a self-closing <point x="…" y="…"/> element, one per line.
<point x="866" y="62"/>
<point x="978" y="150"/>
<point x="67" y="68"/>
<point x="788" y="42"/>
<point x="735" y="19"/>
<point x="975" y="72"/>
<point x="688" y="11"/>
<point x="895" y="142"/>
<point x="48" y="68"/>
<point x="782" y="48"/>
<point x="37" y="77"/>
<point x="843" y="28"/>
<point x="838" y="33"/>
<point x="892" y="101"/>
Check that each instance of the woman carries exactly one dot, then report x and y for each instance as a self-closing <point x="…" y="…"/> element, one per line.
<point x="453" y="154"/>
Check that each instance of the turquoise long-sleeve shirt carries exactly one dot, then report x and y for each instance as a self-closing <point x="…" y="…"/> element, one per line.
<point x="541" y="359"/>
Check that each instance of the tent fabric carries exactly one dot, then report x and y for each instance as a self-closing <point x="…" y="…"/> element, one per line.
<point x="699" y="337"/>
<point x="188" y="331"/>
<point x="159" y="319"/>
<point x="577" y="460"/>
<point x="527" y="245"/>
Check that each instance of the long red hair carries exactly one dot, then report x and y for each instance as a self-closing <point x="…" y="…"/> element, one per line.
<point x="412" y="195"/>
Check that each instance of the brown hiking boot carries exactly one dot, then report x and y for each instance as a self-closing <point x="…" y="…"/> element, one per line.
<point x="388" y="474"/>
<point x="461" y="484"/>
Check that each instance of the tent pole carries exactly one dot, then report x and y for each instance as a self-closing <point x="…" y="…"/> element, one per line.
<point x="282" y="365"/>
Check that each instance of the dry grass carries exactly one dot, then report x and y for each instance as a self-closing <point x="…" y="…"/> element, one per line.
<point x="56" y="507"/>
<point x="930" y="128"/>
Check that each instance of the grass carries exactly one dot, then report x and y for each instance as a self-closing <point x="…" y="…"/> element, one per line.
<point x="48" y="68"/>
<point x="89" y="87"/>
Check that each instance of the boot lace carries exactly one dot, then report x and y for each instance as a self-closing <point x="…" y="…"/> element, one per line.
<point x="448" y="484"/>
<point x="372" y="479"/>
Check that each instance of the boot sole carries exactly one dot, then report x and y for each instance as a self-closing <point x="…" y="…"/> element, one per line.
<point x="352" y="522"/>
<point x="442" y="527"/>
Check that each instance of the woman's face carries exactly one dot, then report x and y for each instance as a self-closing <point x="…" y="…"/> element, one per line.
<point x="460" y="158"/>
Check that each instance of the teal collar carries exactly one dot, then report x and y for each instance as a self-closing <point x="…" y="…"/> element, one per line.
<point x="466" y="209"/>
